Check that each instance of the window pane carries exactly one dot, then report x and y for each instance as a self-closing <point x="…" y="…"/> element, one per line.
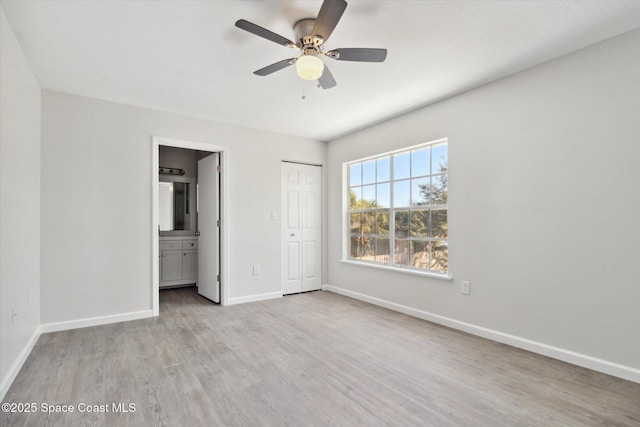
<point x="402" y="224"/>
<point x="420" y="162"/>
<point x="420" y="223"/>
<point x="368" y="197"/>
<point x="355" y="247"/>
<point x="368" y="248"/>
<point x="401" y="194"/>
<point x="401" y="255"/>
<point x="369" y="172"/>
<point x="384" y="169"/>
<point x="382" y="251"/>
<point x="368" y="222"/>
<point x="382" y="223"/>
<point x="439" y="158"/>
<point x="401" y="165"/>
<point x="355" y="174"/>
<point x="420" y="191"/>
<point x="439" y="189"/>
<point x="410" y="190"/>
<point x="420" y="254"/>
<point x="355" y="223"/>
<point x="384" y="196"/>
<point x="439" y="256"/>
<point x="355" y="197"/>
<point x="439" y="226"/>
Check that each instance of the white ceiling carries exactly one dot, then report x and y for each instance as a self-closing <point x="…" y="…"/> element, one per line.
<point x="188" y="57"/>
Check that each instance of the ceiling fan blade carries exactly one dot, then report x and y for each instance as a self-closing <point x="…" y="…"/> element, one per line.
<point x="330" y="13"/>
<point x="275" y="67"/>
<point x="264" y="33"/>
<point x="358" y="54"/>
<point x="326" y="80"/>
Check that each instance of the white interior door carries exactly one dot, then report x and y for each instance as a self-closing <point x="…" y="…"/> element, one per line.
<point x="301" y="227"/>
<point x="208" y="226"/>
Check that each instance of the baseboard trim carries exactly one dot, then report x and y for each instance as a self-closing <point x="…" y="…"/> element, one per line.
<point x="600" y="365"/>
<point x="254" y="298"/>
<point x="95" y="321"/>
<point x="17" y="365"/>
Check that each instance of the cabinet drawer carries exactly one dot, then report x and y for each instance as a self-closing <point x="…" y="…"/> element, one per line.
<point x="167" y="245"/>
<point x="190" y="244"/>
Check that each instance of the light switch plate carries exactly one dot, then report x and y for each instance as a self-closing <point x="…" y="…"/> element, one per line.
<point x="465" y="287"/>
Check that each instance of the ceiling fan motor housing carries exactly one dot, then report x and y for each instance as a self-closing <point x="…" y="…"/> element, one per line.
<point x="303" y="31"/>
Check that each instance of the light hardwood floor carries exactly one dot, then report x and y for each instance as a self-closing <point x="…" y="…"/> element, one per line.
<point x="306" y="360"/>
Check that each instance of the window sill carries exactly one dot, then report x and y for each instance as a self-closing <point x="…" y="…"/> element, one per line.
<point x="447" y="277"/>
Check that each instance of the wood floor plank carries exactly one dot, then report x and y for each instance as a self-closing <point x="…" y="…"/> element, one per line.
<point x="309" y="359"/>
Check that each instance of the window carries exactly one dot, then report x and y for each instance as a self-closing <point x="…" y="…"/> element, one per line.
<point x="397" y="213"/>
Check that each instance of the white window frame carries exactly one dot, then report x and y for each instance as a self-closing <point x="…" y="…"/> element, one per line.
<point x="346" y="232"/>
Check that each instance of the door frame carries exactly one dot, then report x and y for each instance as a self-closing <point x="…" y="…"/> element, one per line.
<point x="156" y="142"/>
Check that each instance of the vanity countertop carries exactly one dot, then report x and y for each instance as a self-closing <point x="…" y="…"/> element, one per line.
<point x="177" y="237"/>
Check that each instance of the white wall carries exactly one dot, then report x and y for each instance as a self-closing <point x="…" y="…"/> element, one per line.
<point x="19" y="206"/>
<point x="544" y="206"/>
<point x="96" y="203"/>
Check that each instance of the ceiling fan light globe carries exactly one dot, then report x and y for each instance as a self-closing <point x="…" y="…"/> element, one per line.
<point x="309" y="67"/>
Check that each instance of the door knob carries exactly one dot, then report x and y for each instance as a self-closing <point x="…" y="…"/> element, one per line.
<point x="292" y="235"/>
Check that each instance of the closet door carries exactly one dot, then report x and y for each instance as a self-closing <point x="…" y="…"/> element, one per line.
<point x="301" y="227"/>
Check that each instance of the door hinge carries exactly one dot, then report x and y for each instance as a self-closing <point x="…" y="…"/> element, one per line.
<point x="219" y="168"/>
<point x="218" y="278"/>
<point x="218" y="223"/>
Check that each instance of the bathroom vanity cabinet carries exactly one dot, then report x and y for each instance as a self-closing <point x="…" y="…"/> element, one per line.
<point x="178" y="261"/>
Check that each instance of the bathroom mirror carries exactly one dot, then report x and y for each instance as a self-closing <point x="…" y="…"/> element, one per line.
<point x="176" y="206"/>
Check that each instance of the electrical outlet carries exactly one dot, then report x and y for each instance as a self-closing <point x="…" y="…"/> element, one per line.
<point x="28" y="297"/>
<point x="14" y="313"/>
<point x="256" y="269"/>
<point x="465" y="287"/>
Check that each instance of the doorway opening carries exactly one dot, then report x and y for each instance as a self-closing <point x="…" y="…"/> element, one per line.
<point x="189" y="232"/>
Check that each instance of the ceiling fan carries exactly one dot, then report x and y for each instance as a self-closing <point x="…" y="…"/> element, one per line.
<point x="311" y="35"/>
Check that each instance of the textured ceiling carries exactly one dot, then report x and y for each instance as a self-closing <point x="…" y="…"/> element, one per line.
<point x="188" y="57"/>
